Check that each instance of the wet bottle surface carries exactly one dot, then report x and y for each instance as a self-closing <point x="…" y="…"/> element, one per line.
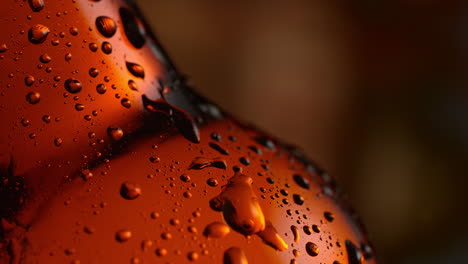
<point x="106" y="156"/>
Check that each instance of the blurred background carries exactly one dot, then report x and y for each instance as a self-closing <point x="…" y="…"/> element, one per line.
<point x="374" y="91"/>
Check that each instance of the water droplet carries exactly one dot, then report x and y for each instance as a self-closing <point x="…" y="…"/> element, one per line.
<point x="123" y="235"/>
<point x="201" y="163"/>
<point x="89" y="230"/>
<point x="155" y="159"/>
<point x="3" y="48"/>
<point x="218" y="148"/>
<point x="25" y="122"/>
<point x="161" y="252"/>
<point x="74" y="31"/>
<point x="33" y="97"/>
<point x="244" y="161"/>
<point x="329" y="216"/>
<point x="106" y="26"/>
<point x="146" y="245"/>
<point x="267" y="143"/>
<point x="116" y="133"/>
<point x="216" y="230"/>
<point x="79" y="107"/>
<point x="45" y="58"/>
<point x="354" y="255"/>
<point x="68" y="56"/>
<point x="234" y="255"/>
<point x="86" y="174"/>
<point x="185" y="177"/>
<point x="106" y="47"/>
<point x="101" y="88"/>
<point x="212" y="182"/>
<point x="240" y="205"/>
<point x="93" y="72"/>
<point x="193" y="256"/>
<point x="312" y="249"/>
<point x="93" y="47"/>
<point x="301" y="181"/>
<point x="38" y="33"/>
<point x="271" y="237"/>
<point x="46" y="119"/>
<point x="130" y="191"/>
<point x="134" y="29"/>
<point x="316" y="228"/>
<point x="166" y="236"/>
<point x="126" y="103"/>
<point x="58" y="142"/>
<point x="36" y="5"/>
<point x="296" y="233"/>
<point x="298" y="199"/>
<point x="135" y="69"/>
<point x="73" y="86"/>
<point x="132" y="85"/>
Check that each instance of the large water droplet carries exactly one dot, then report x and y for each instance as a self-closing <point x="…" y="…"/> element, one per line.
<point x="271" y="237"/>
<point x="29" y="80"/>
<point x="136" y="70"/>
<point x="240" y="205"/>
<point x="130" y="191"/>
<point x="33" y="97"/>
<point x="101" y="88"/>
<point x="216" y="230"/>
<point x="234" y="255"/>
<point x="126" y="103"/>
<point x="45" y="58"/>
<point x="38" y="33"/>
<point x="134" y="29"/>
<point x="354" y="255"/>
<point x="312" y="249"/>
<point x="201" y="163"/>
<point x="106" y="47"/>
<point x="106" y="26"/>
<point x="36" y="5"/>
<point x="73" y="86"/>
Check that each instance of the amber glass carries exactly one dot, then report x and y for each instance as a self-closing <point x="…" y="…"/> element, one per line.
<point x="107" y="156"/>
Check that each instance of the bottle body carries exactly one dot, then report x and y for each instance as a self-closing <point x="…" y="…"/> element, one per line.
<point x="108" y="156"/>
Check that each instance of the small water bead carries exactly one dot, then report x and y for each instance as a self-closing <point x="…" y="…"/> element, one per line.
<point x="123" y="235"/>
<point x="36" y="5"/>
<point x="55" y="42"/>
<point x="3" y="48"/>
<point x="212" y="182"/>
<point x="25" y="122"/>
<point x="73" y="86"/>
<point x="316" y="228"/>
<point x="58" y="142"/>
<point x="218" y="148"/>
<point x="38" y="33"/>
<point x="106" y="26"/>
<point x="312" y="249"/>
<point x="130" y="191"/>
<point x="79" y="107"/>
<point x="68" y="57"/>
<point x="234" y="255"/>
<point x="296" y="233"/>
<point x="201" y="163"/>
<point x="216" y="230"/>
<point x="146" y="245"/>
<point x="74" y="31"/>
<point x="272" y="238"/>
<point x="45" y="58"/>
<point x="46" y="119"/>
<point x="33" y="97"/>
<point x="185" y="177"/>
<point x="161" y="252"/>
<point x="244" y="161"/>
<point x="155" y="159"/>
<point x="135" y="69"/>
<point x="93" y="72"/>
<point x="166" y="236"/>
<point x="116" y="133"/>
<point x="193" y="256"/>
<point x="106" y="47"/>
<point x="299" y="200"/>
<point x="93" y="47"/>
<point x="126" y="103"/>
<point x="329" y="216"/>
<point x="301" y="181"/>
<point x="101" y="88"/>
<point x="132" y="85"/>
<point x="267" y="143"/>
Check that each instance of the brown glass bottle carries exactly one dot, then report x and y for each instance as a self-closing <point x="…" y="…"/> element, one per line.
<point x="107" y="156"/>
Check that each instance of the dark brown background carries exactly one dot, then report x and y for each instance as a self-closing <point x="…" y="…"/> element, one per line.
<point x="374" y="91"/>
